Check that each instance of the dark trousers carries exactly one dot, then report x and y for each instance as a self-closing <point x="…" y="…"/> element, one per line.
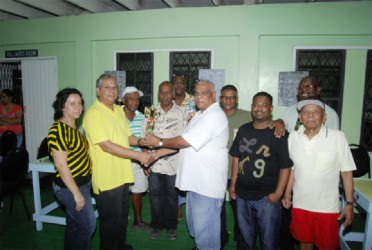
<point x="164" y="201"/>
<point x="286" y="240"/>
<point x="224" y="233"/>
<point x="113" y="208"/>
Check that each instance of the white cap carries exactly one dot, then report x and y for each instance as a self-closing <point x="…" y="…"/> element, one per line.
<point x="132" y="89"/>
<point x="305" y="102"/>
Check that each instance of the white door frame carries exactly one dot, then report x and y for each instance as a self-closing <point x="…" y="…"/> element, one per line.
<point x="38" y="113"/>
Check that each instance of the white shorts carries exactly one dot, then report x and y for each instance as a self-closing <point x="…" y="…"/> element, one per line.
<point x="140" y="179"/>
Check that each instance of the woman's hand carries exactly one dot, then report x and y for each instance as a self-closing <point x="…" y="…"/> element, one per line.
<point x="80" y="201"/>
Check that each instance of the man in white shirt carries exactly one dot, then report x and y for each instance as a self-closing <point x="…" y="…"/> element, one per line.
<point x="202" y="171"/>
<point x="319" y="155"/>
<point x="308" y="87"/>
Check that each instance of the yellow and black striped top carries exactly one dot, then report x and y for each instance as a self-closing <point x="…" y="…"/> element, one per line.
<point x="62" y="137"/>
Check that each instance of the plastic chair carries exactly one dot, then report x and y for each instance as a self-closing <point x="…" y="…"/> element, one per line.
<point x="361" y="159"/>
<point x="8" y="142"/>
<point x="13" y="169"/>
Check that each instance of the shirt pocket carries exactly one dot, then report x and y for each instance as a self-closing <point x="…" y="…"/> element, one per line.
<point x="326" y="161"/>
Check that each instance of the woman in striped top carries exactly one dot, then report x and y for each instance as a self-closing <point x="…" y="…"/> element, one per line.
<point x="72" y="179"/>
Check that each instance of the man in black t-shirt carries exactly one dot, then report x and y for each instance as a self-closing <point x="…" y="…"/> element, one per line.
<point x="260" y="171"/>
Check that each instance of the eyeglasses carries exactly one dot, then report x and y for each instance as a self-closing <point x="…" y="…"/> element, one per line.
<point x="110" y="88"/>
<point x="230" y="98"/>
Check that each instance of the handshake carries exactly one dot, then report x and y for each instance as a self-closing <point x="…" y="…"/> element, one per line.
<point x="148" y="157"/>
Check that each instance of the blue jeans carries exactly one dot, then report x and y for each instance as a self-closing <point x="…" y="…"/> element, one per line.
<point x="80" y="225"/>
<point x="113" y="208"/>
<point x="164" y="201"/>
<point x="262" y="214"/>
<point x="203" y="220"/>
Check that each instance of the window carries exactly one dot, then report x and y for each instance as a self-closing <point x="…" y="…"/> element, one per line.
<point x="366" y="130"/>
<point x="188" y="64"/>
<point x="139" y="73"/>
<point x="328" y="67"/>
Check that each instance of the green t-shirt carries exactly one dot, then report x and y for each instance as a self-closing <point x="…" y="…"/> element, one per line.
<point x="239" y="118"/>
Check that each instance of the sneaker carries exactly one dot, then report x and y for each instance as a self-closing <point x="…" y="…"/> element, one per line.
<point x="142" y="226"/>
<point x="172" y="234"/>
<point x="155" y="233"/>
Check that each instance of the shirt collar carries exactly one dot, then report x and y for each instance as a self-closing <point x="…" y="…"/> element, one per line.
<point x="323" y="132"/>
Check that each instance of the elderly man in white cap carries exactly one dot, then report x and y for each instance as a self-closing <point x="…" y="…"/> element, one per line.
<point x="319" y="155"/>
<point x="131" y="100"/>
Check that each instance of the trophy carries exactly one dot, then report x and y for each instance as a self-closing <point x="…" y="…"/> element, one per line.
<point x="151" y="113"/>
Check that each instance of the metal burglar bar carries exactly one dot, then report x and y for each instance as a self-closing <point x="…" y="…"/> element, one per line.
<point x="188" y="64"/>
<point x="328" y="66"/>
<point x="366" y="130"/>
<point x="139" y="69"/>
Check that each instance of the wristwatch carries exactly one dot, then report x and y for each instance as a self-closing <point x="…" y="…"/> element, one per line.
<point x="349" y="203"/>
<point x="161" y="142"/>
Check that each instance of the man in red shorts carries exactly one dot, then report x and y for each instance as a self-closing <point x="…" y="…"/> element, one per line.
<point x="319" y="155"/>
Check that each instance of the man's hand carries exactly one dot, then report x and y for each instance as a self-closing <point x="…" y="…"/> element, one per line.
<point x="146" y="158"/>
<point x="153" y="156"/>
<point x="147" y="171"/>
<point x="150" y="141"/>
<point x="287" y="201"/>
<point x="348" y="214"/>
<point x="279" y="127"/>
<point x="274" y="197"/>
<point x="232" y="192"/>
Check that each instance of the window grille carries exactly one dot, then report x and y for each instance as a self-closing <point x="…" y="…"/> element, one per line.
<point x="366" y="130"/>
<point x="139" y="73"/>
<point x="188" y="64"/>
<point x="328" y="67"/>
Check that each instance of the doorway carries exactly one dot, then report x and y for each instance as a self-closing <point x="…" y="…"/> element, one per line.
<point x="37" y="84"/>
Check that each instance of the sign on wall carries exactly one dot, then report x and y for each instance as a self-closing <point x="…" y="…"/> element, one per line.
<point x="121" y="81"/>
<point x="288" y="84"/>
<point x="217" y="76"/>
<point x="21" y="53"/>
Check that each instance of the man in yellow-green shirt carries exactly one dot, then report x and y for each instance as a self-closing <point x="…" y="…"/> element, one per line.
<point x="109" y="138"/>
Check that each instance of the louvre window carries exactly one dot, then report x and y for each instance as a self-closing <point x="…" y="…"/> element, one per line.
<point x="328" y="67"/>
<point x="366" y="131"/>
<point x="139" y="73"/>
<point x="188" y="64"/>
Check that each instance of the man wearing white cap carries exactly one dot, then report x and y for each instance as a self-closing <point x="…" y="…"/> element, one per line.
<point x="131" y="100"/>
<point x="307" y="87"/>
<point x="319" y="155"/>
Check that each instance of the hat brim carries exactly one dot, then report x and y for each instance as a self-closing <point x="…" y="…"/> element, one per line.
<point x="303" y="103"/>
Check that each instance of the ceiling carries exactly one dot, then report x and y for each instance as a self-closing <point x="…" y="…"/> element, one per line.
<point x="29" y="9"/>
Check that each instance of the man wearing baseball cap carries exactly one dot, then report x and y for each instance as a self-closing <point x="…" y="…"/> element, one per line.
<point x="319" y="155"/>
<point x="307" y="87"/>
<point x="131" y="100"/>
